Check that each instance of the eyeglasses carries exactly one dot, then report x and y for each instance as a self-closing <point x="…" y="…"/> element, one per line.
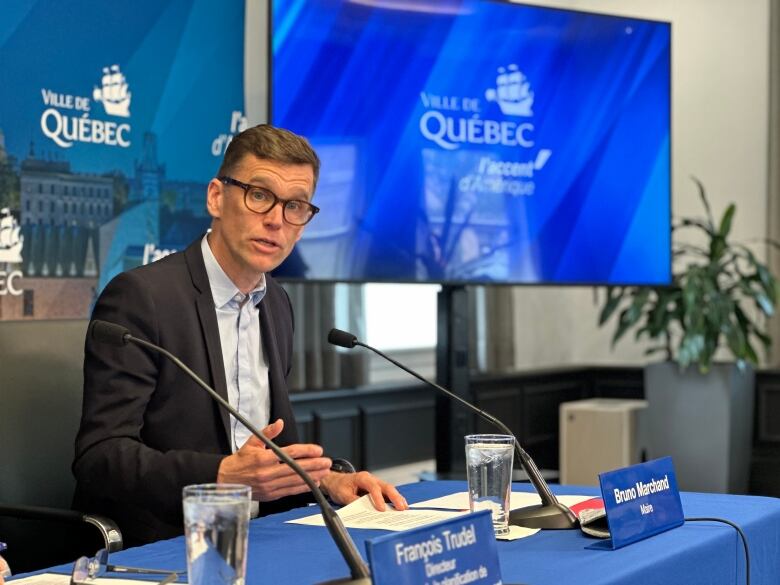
<point x="260" y="200"/>
<point x="86" y="570"/>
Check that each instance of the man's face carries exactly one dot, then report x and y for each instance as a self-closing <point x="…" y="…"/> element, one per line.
<point x="247" y="244"/>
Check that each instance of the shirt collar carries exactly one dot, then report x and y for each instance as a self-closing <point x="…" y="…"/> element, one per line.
<point x="223" y="290"/>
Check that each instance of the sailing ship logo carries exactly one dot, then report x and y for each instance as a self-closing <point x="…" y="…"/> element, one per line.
<point x="11" y="240"/>
<point x="512" y="92"/>
<point x="114" y="92"/>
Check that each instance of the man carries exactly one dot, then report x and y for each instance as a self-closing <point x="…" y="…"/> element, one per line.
<point x="147" y="430"/>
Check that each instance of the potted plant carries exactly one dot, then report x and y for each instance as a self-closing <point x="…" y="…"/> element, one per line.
<point x="701" y="411"/>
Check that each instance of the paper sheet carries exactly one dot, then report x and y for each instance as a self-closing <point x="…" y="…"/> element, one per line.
<point x="57" y="579"/>
<point x="362" y="514"/>
<point x="460" y="501"/>
<point x="516" y="532"/>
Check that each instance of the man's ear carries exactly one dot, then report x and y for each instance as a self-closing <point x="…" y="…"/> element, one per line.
<point x="215" y="196"/>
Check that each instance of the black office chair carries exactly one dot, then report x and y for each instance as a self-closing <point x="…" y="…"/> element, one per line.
<point x="40" y="408"/>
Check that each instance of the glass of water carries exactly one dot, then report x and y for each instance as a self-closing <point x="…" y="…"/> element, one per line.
<point x="489" y="470"/>
<point x="216" y="523"/>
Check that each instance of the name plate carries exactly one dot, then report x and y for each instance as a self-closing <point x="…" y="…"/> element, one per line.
<point x="641" y="500"/>
<point x="461" y="550"/>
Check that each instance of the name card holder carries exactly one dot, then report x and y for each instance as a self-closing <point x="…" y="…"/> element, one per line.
<point x="640" y="501"/>
<point x="461" y="550"/>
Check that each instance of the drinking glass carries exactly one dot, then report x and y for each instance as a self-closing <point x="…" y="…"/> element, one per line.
<point x="489" y="471"/>
<point x="216" y="523"/>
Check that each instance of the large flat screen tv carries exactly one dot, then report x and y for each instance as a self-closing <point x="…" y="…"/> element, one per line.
<point x="478" y="141"/>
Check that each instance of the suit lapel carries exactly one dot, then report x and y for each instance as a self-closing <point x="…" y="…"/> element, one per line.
<point x="208" y="322"/>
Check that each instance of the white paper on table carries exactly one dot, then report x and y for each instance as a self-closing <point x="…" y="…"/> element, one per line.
<point x="362" y="514"/>
<point x="57" y="579"/>
<point x="516" y="532"/>
<point x="460" y="501"/>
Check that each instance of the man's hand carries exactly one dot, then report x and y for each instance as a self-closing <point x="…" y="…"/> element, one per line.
<point x="4" y="570"/>
<point x="259" y="468"/>
<point x="344" y="488"/>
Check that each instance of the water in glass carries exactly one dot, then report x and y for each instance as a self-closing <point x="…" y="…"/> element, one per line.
<point x="489" y="468"/>
<point x="216" y="536"/>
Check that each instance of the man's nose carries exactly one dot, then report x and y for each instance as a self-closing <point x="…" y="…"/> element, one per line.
<point x="275" y="215"/>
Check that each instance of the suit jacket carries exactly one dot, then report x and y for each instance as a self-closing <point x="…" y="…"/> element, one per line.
<point x="147" y="430"/>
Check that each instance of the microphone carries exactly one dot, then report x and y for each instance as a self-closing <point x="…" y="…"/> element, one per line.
<point x="118" y="336"/>
<point x="110" y="333"/>
<point x="550" y="514"/>
<point x="344" y="339"/>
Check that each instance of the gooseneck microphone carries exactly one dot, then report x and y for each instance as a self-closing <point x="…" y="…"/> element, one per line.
<point x="550" y="514"/>
<point x="116" y="335"/>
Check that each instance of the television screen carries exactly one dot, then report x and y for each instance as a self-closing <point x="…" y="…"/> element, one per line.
<point x="478" y="141"/>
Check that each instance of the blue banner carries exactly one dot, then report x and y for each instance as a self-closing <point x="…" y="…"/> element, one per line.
<point x="462" y="550"/>
<point x="113" y="118"/>
<point x="641" y="500"/>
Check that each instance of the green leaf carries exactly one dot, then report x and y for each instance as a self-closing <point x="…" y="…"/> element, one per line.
<point x="765" y="304"/>
<point x="638" y="304"/>
<point x="633" y="313"/>
<point x="741" y="317"/>
<point x="726" y="220"/>
<point x="750" y="353"/>
<point x="737" y="341"/>
<point x="624" y="324"/>
<point x="747" y="252"/>
<point x="691" y="349"/>
<point x="613" y="301"/>
<point x="703" y="197"/>
<point x="768" y="282"/>
<point x="765" y="340"/>
<point x="717" y="248"/>
<point x="658" y="319"/>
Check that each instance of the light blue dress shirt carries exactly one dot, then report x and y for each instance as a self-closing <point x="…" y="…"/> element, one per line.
<point x="246" y="368"/>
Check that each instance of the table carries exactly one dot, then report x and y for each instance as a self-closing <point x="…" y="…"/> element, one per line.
<point x="693" y="554"/>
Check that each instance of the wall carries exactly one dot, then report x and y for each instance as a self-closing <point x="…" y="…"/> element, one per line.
<point x="720" y="120"/>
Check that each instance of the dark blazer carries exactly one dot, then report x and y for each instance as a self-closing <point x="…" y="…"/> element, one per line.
<point x="147" y="430"/>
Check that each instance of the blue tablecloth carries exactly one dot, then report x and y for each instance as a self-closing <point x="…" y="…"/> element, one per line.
<point x="693" y="554"/>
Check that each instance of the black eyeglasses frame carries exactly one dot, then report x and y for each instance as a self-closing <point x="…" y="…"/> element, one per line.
<point x="277" y="200"/>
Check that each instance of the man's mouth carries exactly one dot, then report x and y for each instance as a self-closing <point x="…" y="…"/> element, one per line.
<point x="266" y="242"/>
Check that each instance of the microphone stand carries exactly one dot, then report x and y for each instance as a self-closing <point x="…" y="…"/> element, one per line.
<point x="550" y="514"/>
<point x="360" y="574"/>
